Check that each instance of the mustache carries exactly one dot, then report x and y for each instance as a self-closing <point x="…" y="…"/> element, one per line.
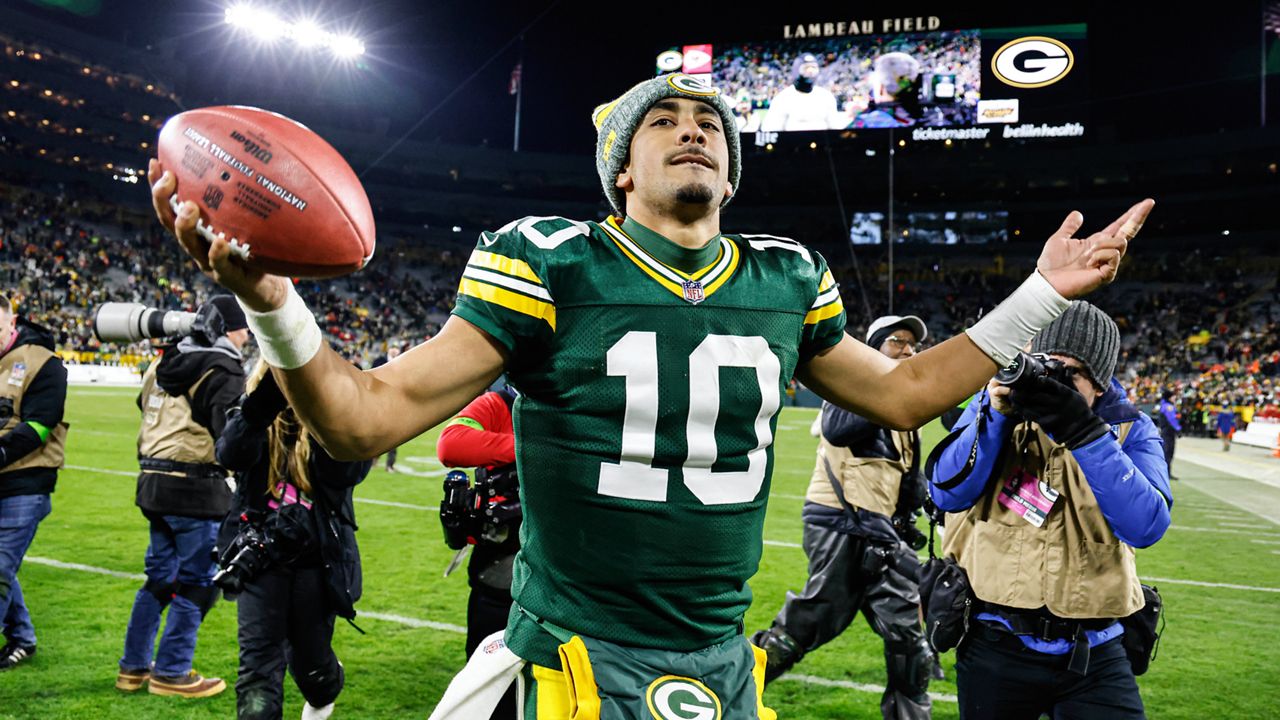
<point x="695" y="152"/>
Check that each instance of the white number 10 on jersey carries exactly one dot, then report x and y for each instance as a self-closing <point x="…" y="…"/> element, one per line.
<point x="635" y="357"/>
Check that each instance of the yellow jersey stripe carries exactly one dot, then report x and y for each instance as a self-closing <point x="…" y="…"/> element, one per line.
<point x="829" y="310"/>
<point x="827" y="282"/>
<point x="513" y="301"/>
<point x="651" y="273"/>
<point x="735" y="256"/>
<point x="503" y="264"/>
<point x="696" y="275"/>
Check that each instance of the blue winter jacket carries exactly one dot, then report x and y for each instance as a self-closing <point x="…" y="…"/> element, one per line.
<point x="1129" y="480"/>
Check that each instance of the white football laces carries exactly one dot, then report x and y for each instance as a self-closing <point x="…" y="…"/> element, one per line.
<point x="208" y="233"/>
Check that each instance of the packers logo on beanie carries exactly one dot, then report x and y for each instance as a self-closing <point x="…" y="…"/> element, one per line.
<point x="616" y="124"/>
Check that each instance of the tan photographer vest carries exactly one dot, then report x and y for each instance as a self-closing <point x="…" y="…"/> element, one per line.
<point x="869" y="483"/>
<point x="17" y="369"/>
<point x="1073" y="564"/>
<point x="169" y="430"/>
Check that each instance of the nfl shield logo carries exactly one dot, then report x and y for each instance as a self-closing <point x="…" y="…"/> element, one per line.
<point x="693" y="291"/>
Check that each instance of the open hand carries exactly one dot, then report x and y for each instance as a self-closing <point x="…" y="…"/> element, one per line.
<point x="1077" y="266"/>
<point x="260" y="291"/>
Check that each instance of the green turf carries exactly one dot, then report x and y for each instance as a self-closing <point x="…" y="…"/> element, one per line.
<point x="1217" y="659"/>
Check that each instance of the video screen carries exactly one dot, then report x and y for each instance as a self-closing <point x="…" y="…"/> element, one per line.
<point x="925" y="79"/>
<point x="950" y="227"/>
<point x="978" y="84"/>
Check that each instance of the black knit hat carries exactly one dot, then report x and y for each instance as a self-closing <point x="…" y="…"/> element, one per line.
<point x="1087" y="334"/>
<point x="232" y="316"/>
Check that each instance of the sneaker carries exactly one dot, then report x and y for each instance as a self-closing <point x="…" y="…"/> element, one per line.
<point x="13" y="653"/>
<point x="191" y="685"/>
<point x="132" y="680"/>
<point x="314" y="713"/>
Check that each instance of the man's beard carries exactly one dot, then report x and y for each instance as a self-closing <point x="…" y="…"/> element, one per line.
<point x="695" y="194"/>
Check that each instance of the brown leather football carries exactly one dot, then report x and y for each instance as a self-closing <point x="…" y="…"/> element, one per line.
<point x="282" y="196"/>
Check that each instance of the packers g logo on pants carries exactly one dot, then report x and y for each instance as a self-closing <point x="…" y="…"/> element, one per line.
<point x="679" y="698"/>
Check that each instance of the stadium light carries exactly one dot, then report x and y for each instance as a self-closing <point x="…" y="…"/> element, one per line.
<point x="267" y="27"/>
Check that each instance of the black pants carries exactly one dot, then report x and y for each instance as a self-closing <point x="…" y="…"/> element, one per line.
<point x="890" y="601"/>
<point x="284" y="622"/>
<point x="1168" y="437"/>
<point x="487" y="612"/>
<point x="998" y="678"/>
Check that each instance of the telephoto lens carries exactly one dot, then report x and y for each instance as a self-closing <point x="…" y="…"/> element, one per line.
<point x="132" y="322"/>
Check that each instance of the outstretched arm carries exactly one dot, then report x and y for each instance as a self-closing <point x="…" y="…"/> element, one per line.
<point x="907" y="394"/>
<point x="354" y="414"/>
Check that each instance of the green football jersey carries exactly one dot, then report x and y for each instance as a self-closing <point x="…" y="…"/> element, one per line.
<point x="645" y="425"/>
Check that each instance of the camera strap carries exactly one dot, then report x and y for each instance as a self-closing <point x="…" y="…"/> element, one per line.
<point x="838" y="487"/>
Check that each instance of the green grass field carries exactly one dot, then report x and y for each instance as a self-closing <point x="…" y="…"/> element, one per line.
<point x="1218" y="657"/>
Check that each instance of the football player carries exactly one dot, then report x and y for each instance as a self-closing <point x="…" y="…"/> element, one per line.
<point x="651" y="352"/>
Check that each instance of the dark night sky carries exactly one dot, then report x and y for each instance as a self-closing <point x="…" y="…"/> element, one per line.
<point x="1152" y="70"/>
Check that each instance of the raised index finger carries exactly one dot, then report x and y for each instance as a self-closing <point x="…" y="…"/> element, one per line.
<point x="1134" y="219"/>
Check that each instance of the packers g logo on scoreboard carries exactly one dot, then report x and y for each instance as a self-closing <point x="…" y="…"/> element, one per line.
<point x="1032" y="62"/>
<point x="678" y="698"/>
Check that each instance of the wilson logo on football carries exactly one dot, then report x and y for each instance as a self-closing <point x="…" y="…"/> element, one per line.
<point x="678" y="698"/>
<point x="1032" y="62"/>
<point x="693" y="85"/>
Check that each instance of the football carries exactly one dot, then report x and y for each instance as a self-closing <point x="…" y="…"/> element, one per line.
<point x="288" y="203"/>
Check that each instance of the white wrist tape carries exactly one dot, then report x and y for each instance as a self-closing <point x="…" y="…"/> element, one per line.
<point x="1005" y="331"/>
<point x="288" y="336"/>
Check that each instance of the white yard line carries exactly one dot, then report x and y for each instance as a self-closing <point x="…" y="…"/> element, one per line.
<point x="779" y="543"/>
<point x="1188" y="528"/>
<point x="83" y="568"/>
<point x="367" y="501"/>
<point x="849" y="685"/>
<point x="457" y="629"/>
<point x="1197" y="583"/>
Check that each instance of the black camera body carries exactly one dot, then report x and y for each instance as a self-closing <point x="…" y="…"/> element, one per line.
<point x="904" y="524"/>
<point x="1027" y="367"/>
<point x="277" y="538"/>
<point x="484" y="512"/>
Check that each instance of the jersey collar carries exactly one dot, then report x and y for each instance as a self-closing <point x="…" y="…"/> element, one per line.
<point x="663" y="260"/>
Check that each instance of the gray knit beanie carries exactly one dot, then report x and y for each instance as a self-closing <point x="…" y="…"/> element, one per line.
<point x="1087" y="334"/>
<point x="616" y="124"/>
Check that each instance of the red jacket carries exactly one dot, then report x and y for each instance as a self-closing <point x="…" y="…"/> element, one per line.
<point x="480" y="436"/>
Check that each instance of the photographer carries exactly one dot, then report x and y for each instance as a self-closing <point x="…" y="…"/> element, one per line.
<point x="288" y="548"/>
<point x="482" y="436"/>
<point x="183" y="494"/>
<point x="863" y="495"/>
<point x="1052" y="480"/>
<point x="1166" y="416"/>
<point x="32" y="438"/>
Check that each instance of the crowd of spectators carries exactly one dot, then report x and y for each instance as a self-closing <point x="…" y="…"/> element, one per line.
<point x="1206" y="329"/>
<point x="62" y="256"/>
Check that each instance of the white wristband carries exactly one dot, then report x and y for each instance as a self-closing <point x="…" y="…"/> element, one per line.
<point x="288" y="336"/>
<point x="1006" y="330"/>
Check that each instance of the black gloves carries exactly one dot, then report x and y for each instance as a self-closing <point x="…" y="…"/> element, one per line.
<point x="261" y="407"/>
<point x="1060" y="410"/>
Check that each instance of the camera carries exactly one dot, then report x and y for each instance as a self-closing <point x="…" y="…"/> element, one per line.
<point x="904" y="524"/>
<point x="284" y="536"/>
<point x="133" y="322"/>
<point x="1026" y="367"/>
<point x="485" y="512"/>
<point x="243" y="559"/>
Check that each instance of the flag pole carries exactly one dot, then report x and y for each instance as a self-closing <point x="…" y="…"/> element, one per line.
<point x="519" y="83"/>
